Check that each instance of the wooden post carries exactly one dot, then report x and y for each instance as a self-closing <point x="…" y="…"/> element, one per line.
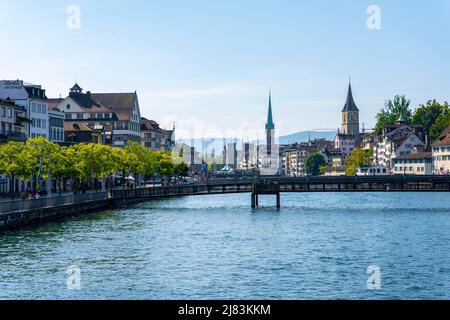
<point x="253" y="200"/>
<point x="278" y="201"/>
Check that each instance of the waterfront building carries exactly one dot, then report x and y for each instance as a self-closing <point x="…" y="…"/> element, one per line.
<point x="155" y="138"/>
<point x="56" y="125"/>
<point x="336" y="171"/>
<point x="441" y="153"/>
<point x="345" y="143"/>
<point x="79" y="132"/>
<point x="14" y="126"/>
<point x="397" y="140"/>
<point x="294" y="156"/>
<point x="334" y="157"/>
<point x="33" y="98"/>
<point x="151" y="135"/>
<point x="372" y="171"/>
<point x="419" y="163"/>
<point x="117" y="113"/>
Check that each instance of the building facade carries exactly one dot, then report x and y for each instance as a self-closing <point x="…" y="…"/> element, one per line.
<point x="33" y="99"/>
<point x="117" y="114"/>
<point x="397" y="140"/>
<point x="79" y="132"/>
<point x="14" y="126"/>
<point x="345" y="143"/>
<point x="151" y="135"/>
<point x="155" y="138"/>
<point x="56" y="126"/>
<point x="441" y="153"/>
<point x="413" y="164"/>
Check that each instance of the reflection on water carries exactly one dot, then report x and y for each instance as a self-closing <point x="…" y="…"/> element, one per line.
<point x="318" y="246"/>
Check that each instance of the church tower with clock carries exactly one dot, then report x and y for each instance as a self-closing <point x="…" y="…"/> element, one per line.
<point x="350" y="115"/>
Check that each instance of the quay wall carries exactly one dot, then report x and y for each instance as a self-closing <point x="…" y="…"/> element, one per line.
<point x="12" y="220"/>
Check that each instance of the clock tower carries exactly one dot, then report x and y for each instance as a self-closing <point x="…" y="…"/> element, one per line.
<point x="350" y="115"/>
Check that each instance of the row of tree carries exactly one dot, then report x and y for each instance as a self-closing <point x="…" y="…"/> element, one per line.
<point x="85" y="164"/>
<point x="433" y="116"/>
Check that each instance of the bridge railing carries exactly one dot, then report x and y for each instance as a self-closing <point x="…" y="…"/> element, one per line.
<point x="22" y="205"/>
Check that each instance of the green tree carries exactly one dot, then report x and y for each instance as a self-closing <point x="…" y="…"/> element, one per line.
<point x="61" y="165"/>
<point x="427" y="114"/>
<point x="313" y="164"/>
<point x="359" y="157"/>
<point x="39" y="152"/>
<point x="181" y="170"/>
<point x="10" y="162"/>
<point x="441" y="123"/>
<point x="392" y="111"/>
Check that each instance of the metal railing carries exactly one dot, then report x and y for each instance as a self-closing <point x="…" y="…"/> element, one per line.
<point x="22" y="205"/>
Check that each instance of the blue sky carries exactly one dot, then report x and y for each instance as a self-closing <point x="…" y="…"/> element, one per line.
<point x="209" y="64"/>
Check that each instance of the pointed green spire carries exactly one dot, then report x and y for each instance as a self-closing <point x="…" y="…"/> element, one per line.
<point x="270" y="125"/>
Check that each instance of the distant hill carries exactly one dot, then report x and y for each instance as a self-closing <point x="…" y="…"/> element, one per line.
<point x="303" y="136"/>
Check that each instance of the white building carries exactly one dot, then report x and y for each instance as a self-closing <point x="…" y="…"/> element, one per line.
<point x="441" y="153"/>
<point x="397" y="140"/>
<point x="33" y="99"/>
<point x="248" y="157"/>
<point x="346" y="144"/>
<point x="413" y="164"/>
<point x="372" y="171"/>
<point x="118" y="113"/>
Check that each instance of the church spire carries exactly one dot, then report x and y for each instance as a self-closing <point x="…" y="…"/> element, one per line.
<point x="270" y="125"/>
<point x="350" y="105"/>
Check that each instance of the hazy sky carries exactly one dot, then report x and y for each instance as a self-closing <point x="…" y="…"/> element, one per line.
<point x="211" y="63"/>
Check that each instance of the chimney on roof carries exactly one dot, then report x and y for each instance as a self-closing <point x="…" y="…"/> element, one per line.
<point x="88" y="93"/>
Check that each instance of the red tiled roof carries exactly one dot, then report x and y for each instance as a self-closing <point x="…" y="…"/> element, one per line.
<point x="122" y="104"/>
<point x="53" y="103"/>
<point x="444" y="138"/>
<point x="415" y="156"/>
<point x="76" y="126"/>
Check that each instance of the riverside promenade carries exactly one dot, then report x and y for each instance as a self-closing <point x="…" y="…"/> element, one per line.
<point x="19" y="213"/>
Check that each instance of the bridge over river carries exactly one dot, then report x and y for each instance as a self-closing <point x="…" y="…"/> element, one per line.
<point x="23" y="212"/>
<point x="276" y="185"/>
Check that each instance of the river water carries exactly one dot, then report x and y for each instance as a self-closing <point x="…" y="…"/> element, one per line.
<point x="318" y="246"/>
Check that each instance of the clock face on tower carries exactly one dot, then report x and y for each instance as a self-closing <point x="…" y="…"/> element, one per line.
<point x="353" y="117"/>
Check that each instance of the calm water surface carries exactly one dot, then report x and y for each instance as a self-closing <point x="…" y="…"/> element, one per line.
<point x="318" y="246"/>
